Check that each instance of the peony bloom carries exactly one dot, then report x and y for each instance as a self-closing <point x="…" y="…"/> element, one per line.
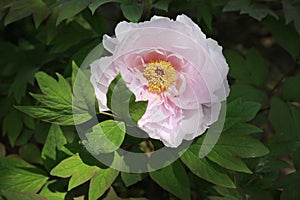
<point x="175" y="67"/>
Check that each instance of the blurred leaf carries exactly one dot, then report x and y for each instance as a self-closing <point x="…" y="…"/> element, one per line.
<point x="287" y="180"/>
<point x="96" y="22"/>
<point x="69" y="8"/>
<point x="285" y="35"/>
<point x="105" y="137"/>
<point x="291" y="192"/>
<point x="252" y="70"/>
<point x="97" y="3"/>
<point x="229" y="193"/>
<point x="132" y="12"/>
<point x="31" y="153"/>
<point x="18" y="175"/>
<point x="2" y="150"/>
<point x="257" y="11"/>
<point x="130" y="178"/>
<point x="292" y="13"/>
<point x="28" y="121"/>
<point x="247" y="93"/>
<point x="161" y="5"/>
<point x="204" y="12"/>
<point x="291" y="88"/>
<point x="130" y="110"/>
<point x="18" y="87"/>
<point x="24" y="8"/>
<point x="12" y="126"/>
<point x="173" y="178"/>
<point x="24" y="137"/>
<point x="296" y="158"/>
<point x="285" y="119"/>
<point x="68" y="36"/>
<point x="53" y="146"/>
<point x="204" y="168"/>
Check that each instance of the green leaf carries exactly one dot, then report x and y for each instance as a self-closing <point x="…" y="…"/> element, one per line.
<point x="242" y="145"/>
<point x="291" y="13"/>
<point x="53" y="147"/>
<point x="137" y="109"/>
<point x="285" y="35"/>
<point x="291" y="192"/>
<point x="50" y="191"/>
<point x="161" y="5"/>
<point x="111" y="195"/>
<point x="24" y="137"/>
<point x="24" y="8"/>
<point x="68" y="36"/>
<point x="231" y="147"/>
<point x="2" y="150"/>
<point x="285" y="119"/>
<point x="225" y="158"/>
<point x="69" y="8"/>
<point x="31" y="153"/>
<point x="240" y="111"/>
<point x="57" y="99"/>
<point x="97" y="3"/>
<point x="50" y="87"/>
<point x="296" y="158"/>
<point x="102" y="180"/>
<point x="247" y="93"/>
<point x="12" y="126"/>
<point x="74" y="167"/>
<point x="204" y="168"/>
<point x="16" y="195"/>
<point x="18" y="175"/>
<point x="257" y="11"/>
<point x="252" y="70"/>
<point x="173" y="178"/>
<point x="243" y="128"/>
<point x="51" y="116"/>
<point x="228" y="193"/>
<point x="105" y="137"/>
<point x="204" y="12"/>
<point x="83" y="92"/>
<point x="129" y="110"/>
<point x="291" y="88"/>
<point x="130" y="178"/>
<point x="132" y="12"/>
<point x="18" y="87"/>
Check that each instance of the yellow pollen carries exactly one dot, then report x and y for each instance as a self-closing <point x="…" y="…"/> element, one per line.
<point x="160" y="75"/>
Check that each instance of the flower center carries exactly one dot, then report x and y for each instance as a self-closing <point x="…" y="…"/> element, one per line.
<point x="160" y="75"/>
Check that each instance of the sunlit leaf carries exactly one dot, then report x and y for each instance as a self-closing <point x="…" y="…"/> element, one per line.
<point x="105" y="137"/>
<point x="18" y="175"/>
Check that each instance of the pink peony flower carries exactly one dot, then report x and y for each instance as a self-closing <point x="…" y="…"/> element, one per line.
<point x="175" y="67"/>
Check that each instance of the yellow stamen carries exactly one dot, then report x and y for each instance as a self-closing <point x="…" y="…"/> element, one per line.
<point x="160" y="75"/>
